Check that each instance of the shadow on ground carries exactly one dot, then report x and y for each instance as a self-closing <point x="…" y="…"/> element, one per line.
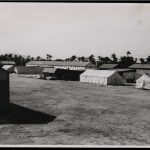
<point x="22" y="115"/>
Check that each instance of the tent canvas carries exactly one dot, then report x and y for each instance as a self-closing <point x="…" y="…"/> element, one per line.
<point x="143" y="82"/>
<point x="102" y="77"/>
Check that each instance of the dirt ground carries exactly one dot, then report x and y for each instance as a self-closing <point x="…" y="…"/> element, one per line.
<point x="74" y="113"/>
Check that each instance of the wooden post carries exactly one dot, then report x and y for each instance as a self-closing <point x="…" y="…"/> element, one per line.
<point x="4" y="91"/>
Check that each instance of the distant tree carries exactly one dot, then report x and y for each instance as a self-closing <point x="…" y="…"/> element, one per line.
<point x="99" y="61"/>
<point x="135" y="60"/>
<point x="67" y="59"/>
<point x="48" y="56"/>
<point x="10" y="57"/>
<point x="79" y="58"/>
<point x="103" y="60"/>
<point x="126" y="61"/>
<point x="92" y="59"/>
<point x="142" y="61"/>
<point x="148" y="59"/>
<point x="73" y="58"/>
<point x="114" y="58"/>
<point x="38" y="58"/>
<point x="99" y="58"/>
<point x="32" y="58"/>
<point x="82" y="58"/>
<point x="106" y="60"/>
<point x="128" y="53"/>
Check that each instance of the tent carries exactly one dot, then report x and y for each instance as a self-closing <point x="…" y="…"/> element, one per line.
<point x="102" y="77"/>
<point x="9" y="68"/>
<point x="143" y="82"/>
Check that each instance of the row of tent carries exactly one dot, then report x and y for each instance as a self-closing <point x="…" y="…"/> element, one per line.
<point x="101" y="77"/>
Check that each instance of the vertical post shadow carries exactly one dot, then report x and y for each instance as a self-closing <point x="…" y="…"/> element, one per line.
<point x="22" y="115"/>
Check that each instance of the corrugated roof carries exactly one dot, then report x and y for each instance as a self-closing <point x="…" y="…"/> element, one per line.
<point x="98" y="73"/>
<point x="122" y="70"/>
<point x="131" y="75"/>
<point x="108" y="66"/>
<point x="140" y="66"/>
<point x="7" y="66"/>
<point x="7" y="63"/>
<point x="49" y="70"/>
<point x="58" y="63"/>
<point x="29" y="69"/>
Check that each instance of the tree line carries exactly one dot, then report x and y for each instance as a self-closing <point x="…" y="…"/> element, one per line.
<point x="126" y="60"/>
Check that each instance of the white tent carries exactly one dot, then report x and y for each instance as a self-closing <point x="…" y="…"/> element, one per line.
<point x="143" y="82"/>
<point x="102" y="77"/>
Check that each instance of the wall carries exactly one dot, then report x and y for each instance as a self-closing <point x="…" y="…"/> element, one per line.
<point x="90" y="65"/>
<point x="142" y="71"/>
<point x="4" y="91"/>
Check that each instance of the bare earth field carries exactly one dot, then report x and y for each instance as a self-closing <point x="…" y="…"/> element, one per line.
<point x="74" y="113"/>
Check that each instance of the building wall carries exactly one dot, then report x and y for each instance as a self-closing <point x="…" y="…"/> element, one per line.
<point x="70" y="67"/>
<point x="4" y="91"/>
<point x="90" y="65"/>
<point x="115" y="79"/>
<point x="93" y="79"/>
<point x="142" y="71"/>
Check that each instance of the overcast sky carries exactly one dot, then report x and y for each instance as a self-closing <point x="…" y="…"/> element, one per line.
<point x="66" y="29"/>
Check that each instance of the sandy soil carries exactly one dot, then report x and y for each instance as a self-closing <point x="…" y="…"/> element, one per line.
<point x="74" y="113"/>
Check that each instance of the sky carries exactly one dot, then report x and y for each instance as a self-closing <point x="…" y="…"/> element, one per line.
<point x="82" y="29"/>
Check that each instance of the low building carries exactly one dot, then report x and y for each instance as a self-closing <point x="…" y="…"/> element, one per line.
<point x="71" y="65"/>
<point x="8" y="65"/>
<point x="62" y="74"/>
<point x="143" y="82"/>
<point x="122" y="71"/>
<point x="28" y="70"/>
<point x="108" y="66"/>
<point x="9" y="68"/>
<point x="4" y="91"/>
<point x="141" y="68"/>
<point x="102" y="77"/>
<point x="2" y="63"/>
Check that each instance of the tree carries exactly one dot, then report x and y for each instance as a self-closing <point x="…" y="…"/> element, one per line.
<point x="67" y="59"/>
<point x="106" y="60"/>
<point x="32" y="58"/>
<point x="10" y="57"/>
<point x="142" y="60"/>
<point x="126" y="61"/>
<point x="128" y="53"/>
<point x="73" y="58"/>
<point x="91" y="59"/>
<point x="38" y="58"/>
<point x="82" y="58"/>
<point x="148" y="60"/>
<point x="48" y="56"/>
<point x="79" y="58"/>
<point x="114" y="57"/>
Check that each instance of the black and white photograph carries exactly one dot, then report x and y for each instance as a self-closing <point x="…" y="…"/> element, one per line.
<point x="74" y="74"/>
